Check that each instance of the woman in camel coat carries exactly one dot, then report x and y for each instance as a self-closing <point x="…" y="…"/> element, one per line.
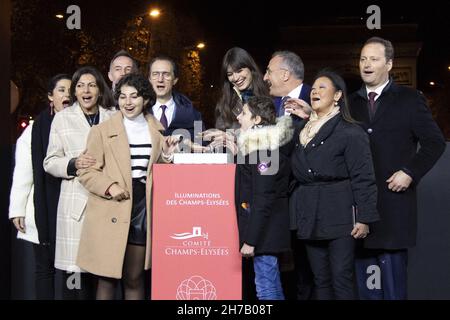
<point x="116" y="236"/>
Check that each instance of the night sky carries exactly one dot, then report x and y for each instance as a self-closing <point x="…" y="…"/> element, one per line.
<point x="252" y="25"/>
<point x="255" y="24"/>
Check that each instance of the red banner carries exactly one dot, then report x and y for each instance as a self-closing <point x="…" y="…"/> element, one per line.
<point x="195" y="245"/>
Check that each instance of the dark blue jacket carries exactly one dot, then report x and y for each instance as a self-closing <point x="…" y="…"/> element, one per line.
<point x="305" y="94"/>
<point x="184" y="116"/>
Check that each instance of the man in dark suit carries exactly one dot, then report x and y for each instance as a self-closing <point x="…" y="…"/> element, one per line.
<point x="284" y="76"/>
<point x="173" y="109"/>
<point x="396" y="119"/>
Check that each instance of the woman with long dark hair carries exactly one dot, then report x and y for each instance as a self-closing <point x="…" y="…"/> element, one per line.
<point x="241" y="78"/>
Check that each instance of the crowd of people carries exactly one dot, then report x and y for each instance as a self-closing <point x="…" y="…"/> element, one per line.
<point x="338" y="194"/>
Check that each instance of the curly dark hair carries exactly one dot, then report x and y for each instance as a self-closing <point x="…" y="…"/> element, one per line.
<point x="262" y="106"/>
<point x="140" y="83"/>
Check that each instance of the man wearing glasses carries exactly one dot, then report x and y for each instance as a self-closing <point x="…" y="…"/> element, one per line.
<point x="284" y="76"/>
<point x="172" y="109"/>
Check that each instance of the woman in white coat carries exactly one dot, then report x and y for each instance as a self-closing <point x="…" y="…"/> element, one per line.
<point x="65" y="155"/>
<point x="34" y="194"/>
<point x="21" y="208"/>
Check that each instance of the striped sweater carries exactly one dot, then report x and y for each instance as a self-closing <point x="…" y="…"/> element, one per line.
<point x="140" y="146"/>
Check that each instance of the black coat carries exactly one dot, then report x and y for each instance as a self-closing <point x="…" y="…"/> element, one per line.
<point x="401" y="121"/>
<point x="334" y="173"/>
<point x="262" y="200"/>
<point x="46" y="187"/>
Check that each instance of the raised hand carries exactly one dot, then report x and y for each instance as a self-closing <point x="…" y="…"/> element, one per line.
<point x="299" y="107"/>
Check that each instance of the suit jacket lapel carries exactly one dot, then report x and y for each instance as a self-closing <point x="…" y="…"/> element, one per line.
<point x="359" y="109"/>
<point x="120" y="147"/>
<point x="305" y="93"/>
<point x="181" y="117"/>
<point x="385" y="101"/>
<point x="154" y="127"/>
<point x="178" y="117"/>
<point x="277" y="103"/>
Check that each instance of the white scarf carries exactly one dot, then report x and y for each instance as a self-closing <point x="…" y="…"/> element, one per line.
<point x="314" y="124"/>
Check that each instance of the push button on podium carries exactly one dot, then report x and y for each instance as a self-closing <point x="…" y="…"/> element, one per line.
<point x="113" y="220"/>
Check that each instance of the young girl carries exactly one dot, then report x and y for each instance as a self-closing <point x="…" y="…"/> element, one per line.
<point x="116" y="240"/>
<point x="262" y="180"/>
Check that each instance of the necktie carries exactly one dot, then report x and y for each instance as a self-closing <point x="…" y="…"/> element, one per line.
<point x="281" y="111"/>
<point x="163" y="119"/>
<point x="372" y="96"/>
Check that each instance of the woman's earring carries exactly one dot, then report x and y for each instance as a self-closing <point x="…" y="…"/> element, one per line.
<point x="336" y="103"/>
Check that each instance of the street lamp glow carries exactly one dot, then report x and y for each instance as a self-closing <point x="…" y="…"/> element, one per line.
<point x="201" y="45"/>
<point x="432" y="83"/>
<point x="448" y="68"/>
<point x="59" y="16"/>
<point x="154" y="13"/>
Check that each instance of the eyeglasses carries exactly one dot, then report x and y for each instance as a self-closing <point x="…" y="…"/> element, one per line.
<point x="268" y="71"/>
<point x="166" y="75"/>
